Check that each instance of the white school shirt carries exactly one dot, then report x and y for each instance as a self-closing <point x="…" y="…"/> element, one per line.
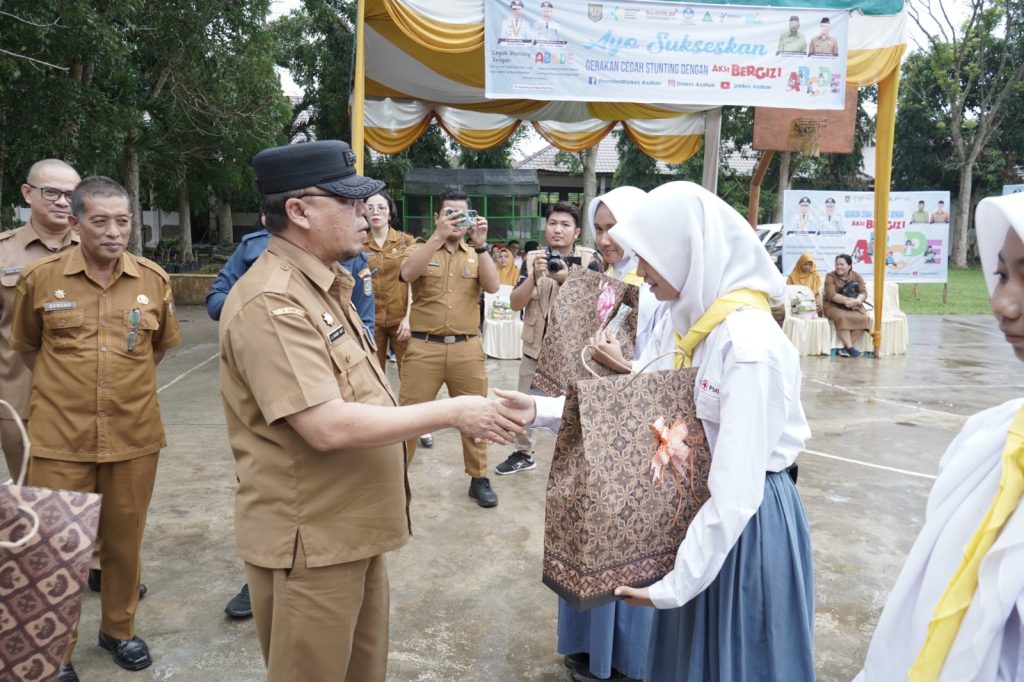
<point x="749" y="375"/>
<point x="990" y="643"/>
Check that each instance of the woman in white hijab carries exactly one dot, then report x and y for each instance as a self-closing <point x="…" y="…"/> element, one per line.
<point x="956" y="611"/>
<point x="739" y="602"/>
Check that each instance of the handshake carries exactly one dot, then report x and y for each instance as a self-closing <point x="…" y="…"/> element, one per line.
<point x="496" y="421"/>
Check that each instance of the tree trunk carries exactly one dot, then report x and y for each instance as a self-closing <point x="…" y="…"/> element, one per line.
<point x="225" y="226"/>
<point x="784" y="182"/>
<point x="589" y="192"/>
<point x="130" y="176"/>
<point x="184" y="223"/>
<point x="962" y="217"/>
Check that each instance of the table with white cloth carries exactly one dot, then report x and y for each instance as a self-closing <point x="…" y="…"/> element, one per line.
<point x="502" y="338"/>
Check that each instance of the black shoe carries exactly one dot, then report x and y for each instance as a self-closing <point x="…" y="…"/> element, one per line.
<point x="480" y="488"/>
<point x="427" y="441"/>
<point x="96" y="582"/>
<point x="579" y="662"/>
<point x="67" y="674"/>
<point x="517" y="461"/>
<point x="130" y="654"/>
<point x="240" y="606"/>
<point x="585" y="676"/>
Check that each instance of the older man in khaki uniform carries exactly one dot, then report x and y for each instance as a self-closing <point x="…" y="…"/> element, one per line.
<point x="47" y="191"/>
<point x="93" y="322"/>
<point x="315" y="430"/>
<point x="446" y="275"/>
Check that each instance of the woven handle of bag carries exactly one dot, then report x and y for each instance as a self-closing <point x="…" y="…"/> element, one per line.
<point x="591" y="347"/>
<point x="21" y="481"/>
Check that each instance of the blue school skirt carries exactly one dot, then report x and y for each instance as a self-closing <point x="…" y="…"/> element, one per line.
<point x="756" y="620"/>
<point x="616" y="635"/>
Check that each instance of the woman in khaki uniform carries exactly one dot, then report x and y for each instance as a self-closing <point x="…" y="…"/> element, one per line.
<point x="384" y="247"/>
<point x="846" y="312"/>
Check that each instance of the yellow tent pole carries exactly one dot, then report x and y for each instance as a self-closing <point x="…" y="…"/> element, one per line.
<point x="359" y="89"/>
<point x="888" y="89"/>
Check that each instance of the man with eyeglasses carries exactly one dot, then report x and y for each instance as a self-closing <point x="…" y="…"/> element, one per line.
<point x="315" y="428"/>
<point x="47" y="191"/>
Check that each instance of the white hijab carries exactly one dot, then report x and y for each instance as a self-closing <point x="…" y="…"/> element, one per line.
<point x="701" y="245"/>
<point x="992" y="220"/>
<point x="623" y="203"/>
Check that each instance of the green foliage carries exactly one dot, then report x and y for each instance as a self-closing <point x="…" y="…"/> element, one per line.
<point x="635" y="167"/>
<point x="967" y="295"/>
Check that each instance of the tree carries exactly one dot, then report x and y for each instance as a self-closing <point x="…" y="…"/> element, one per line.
<point x="978" y="67"/>
<point x="635" y="167"/>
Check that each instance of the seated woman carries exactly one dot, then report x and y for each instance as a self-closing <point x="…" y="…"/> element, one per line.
<point x="846" y="312"/>
<point x="957" y="608"/>
<point x="805" y="273"/>
<point x="508" y="273"/>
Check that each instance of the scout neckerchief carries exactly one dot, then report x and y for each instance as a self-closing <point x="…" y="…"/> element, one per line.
<point x="629" y="278"/>
<point x="952" y="605"/>
<point x="713" y="317"/>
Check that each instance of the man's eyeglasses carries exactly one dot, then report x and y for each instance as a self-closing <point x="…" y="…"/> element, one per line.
<point x="344" y="200"/>
<point x="51" y="193"/>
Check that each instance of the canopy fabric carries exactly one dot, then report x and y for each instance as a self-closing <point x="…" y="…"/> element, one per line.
<point x="425" y="62"/>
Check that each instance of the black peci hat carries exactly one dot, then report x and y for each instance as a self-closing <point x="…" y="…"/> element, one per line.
<point x="327" y="164"/>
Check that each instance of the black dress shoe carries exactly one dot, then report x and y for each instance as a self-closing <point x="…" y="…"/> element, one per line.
<point x="427" y="441"/>
<point x="240" y="605"/>
<point x="580" y="661"/>
<point x="480" y="489"/>
<point x="130" y="654"/>
<point x="96" y="582"/>
<point x="67" y="674"/>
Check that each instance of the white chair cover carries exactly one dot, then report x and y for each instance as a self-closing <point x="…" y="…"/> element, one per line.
<point x="810" y="335"/>
<point x="895" y="330"/>
<point x="502" y="339"/>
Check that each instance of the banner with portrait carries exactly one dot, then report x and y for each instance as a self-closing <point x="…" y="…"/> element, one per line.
<point x="665" y="52"/>
<point x="828" y="223"/>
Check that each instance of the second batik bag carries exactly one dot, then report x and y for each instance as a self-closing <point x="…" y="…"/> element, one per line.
<point x="618" y="509"/>
<point x="46" y="542"/>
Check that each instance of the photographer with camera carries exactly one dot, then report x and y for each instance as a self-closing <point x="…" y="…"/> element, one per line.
<point x="543" y="272"/>
<point x="446" y="274"/>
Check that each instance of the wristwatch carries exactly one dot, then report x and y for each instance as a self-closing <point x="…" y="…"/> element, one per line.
<point x="480" y="249"/>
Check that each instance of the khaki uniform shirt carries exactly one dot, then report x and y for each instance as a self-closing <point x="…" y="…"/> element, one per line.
<point x="290" y="339"/>
<point x="390" y="293"/>
<point x="93" y="391"/>
<point x="18" y="248"/>
<point x="446" y="297"/>
<point x="542" y="300"/>
<point x="823" y="46"/>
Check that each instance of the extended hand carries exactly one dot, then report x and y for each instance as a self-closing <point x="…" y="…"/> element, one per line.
<point x="518" y="407"/>
<point x="635" y="596"/>
<point x="483" y="420"/>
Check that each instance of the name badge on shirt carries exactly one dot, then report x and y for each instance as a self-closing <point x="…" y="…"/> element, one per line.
<point x="58" y="305"/>
<point x="12" y="271"/>
<point x="336" y="334"/>
<point x="367" y="286"/>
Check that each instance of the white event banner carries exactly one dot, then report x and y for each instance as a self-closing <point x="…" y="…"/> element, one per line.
<point x="828" y="223"/>
<point x="662" y="52"/>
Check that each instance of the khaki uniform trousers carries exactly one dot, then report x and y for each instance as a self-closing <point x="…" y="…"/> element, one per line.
<point x="12" y="445"/>
<point x="382" y="336"/>
<point x="126" y="488"/>
<point x="527" y="366"/>
<point x="459" y="366"/>
<point x="327" y="623"/>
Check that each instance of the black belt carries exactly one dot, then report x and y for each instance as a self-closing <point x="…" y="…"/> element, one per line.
<point x="450" y="338"/>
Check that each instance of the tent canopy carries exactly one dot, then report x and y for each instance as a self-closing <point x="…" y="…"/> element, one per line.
<point x="425" y="62"/>
<point x="491" y="181"/>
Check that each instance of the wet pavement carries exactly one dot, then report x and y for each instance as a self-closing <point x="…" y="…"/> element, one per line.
<point x="467" y="601"/>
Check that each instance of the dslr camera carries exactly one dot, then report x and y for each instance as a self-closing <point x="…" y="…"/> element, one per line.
<point x="468" y="217"/>
<point x="557" y="261"/>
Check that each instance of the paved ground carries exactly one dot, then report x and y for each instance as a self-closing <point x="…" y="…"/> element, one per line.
<point x="467" y="599"/>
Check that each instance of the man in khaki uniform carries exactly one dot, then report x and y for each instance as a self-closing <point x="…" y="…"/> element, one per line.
<point x="823" y="45"/>
<point x="315" y="430"/>
<point x="542" y="275"/>
<point x="47" y="191"/>
<point x="384" y="247"/>
<point x="93" y="322"/>
<point x="446" y="275"/>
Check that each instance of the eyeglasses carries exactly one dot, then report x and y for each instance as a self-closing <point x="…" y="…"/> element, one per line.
<point x="377" y="208"/>
<point x="344" y="200"/>
<point x="51" y="193"/>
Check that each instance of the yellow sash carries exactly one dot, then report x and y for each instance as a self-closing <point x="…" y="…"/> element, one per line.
<point x="713" y="317"/>
<point x="953" y="603"/>
<point x="630" y="278"/>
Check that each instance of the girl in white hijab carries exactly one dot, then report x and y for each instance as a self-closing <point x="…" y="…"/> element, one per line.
<point x="739" y="602"/>
<point x="956" y="611"/>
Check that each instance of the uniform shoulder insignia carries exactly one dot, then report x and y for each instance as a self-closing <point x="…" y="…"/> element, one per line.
<point x="36" y="264"/>
<point x="288" y="310"/>
<point x="145" y="262"/>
